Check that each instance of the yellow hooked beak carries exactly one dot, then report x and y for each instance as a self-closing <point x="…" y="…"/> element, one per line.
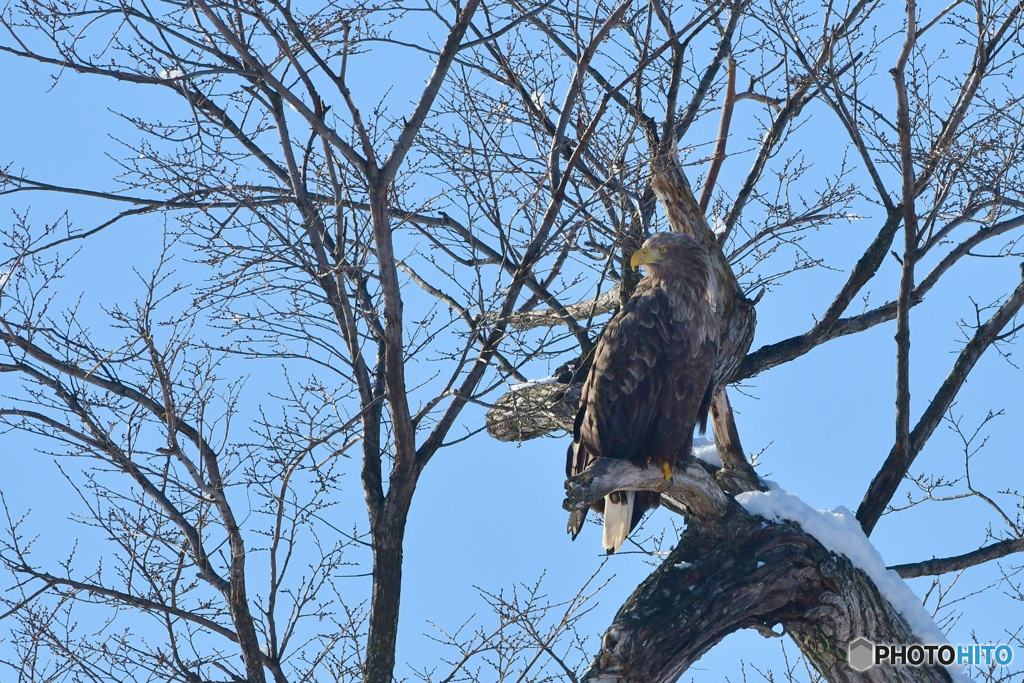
<point x="644" y="256"/>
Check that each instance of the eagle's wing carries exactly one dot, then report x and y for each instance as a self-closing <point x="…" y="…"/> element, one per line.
<point x="619" y="406"/>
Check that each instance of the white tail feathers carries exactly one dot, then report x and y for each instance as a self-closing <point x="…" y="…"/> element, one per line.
<point x="617" y="520"/>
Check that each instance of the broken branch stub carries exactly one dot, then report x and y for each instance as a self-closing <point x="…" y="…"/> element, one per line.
<point x="603" y="303"/>
<point x="533" y="410"/>
<point x="736" y="313"/>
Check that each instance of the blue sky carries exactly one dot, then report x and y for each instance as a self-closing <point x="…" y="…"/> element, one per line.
<point x="488" y="515"/>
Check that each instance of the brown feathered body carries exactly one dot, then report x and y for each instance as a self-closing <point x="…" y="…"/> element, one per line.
<point x="651" y="378"/>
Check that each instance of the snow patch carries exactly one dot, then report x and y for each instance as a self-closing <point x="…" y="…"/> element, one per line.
<point x="172" y="74"/>
<point x="839" y="531"/>
<point x="683" y="565"/>
<point x="539" y="98"/>
<point x="704" y="448"/>
<point x="533" y="383"/>
<point x="718" y="225"/>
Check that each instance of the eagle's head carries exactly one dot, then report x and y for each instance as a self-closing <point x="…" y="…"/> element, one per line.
<point x="675" y="258"/>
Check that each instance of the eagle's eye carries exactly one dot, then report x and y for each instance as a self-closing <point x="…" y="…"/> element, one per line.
<point x="664" y="250"/>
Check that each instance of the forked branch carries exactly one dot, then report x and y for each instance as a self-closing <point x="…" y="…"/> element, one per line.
<point x="898" y="463"/>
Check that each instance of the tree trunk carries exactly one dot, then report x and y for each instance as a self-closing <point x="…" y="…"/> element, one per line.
<point x="388" y="541"/>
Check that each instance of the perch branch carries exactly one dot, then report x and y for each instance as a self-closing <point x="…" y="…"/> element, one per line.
<point x="691" y="485"/>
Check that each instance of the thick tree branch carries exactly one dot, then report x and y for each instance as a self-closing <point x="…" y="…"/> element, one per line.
<point x="777" y="353"/>
<point x="742" y="573"/>
<point x="605" y="302"/>
<point x="908" y="206"/>
<point x="727" y="439"/>
<point x="531" y="411"/>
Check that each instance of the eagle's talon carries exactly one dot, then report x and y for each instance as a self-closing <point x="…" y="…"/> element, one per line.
<point x="667" y="469"/>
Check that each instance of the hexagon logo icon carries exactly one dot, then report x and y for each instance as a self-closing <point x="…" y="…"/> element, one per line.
<point x="860" y="654"/>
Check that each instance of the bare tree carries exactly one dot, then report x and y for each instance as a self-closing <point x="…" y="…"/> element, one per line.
<point x="503" y="202"/>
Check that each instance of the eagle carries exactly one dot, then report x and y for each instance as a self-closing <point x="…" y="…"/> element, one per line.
<point x="651" y="379"/>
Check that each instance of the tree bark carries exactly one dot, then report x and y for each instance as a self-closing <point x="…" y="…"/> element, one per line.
<point x="748" y="575"/>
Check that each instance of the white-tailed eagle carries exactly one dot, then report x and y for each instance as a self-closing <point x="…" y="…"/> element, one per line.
<point x="651" y="378"/>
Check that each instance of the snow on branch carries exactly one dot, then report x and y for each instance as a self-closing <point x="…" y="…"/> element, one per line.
<point x="839" y="531"/>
